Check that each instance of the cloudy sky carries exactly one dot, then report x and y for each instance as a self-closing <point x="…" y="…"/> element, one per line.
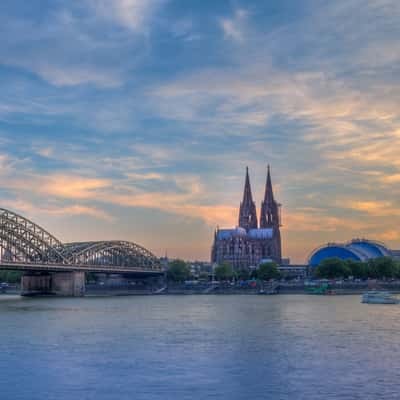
<point x="135" y="119"/>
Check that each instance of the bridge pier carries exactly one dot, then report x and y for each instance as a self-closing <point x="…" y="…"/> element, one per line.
<point x="55" y="283"/>
<point x="68" y="283"/>
<point x="33" y="284"/>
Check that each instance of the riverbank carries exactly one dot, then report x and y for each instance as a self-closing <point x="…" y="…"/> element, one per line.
<point x="266" y="288"/>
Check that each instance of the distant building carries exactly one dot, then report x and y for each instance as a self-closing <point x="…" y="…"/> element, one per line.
<point x="294" y="271"/>
<point x="357" y="249"/>
<point x="395" y="254"/>
<point x="164" y="262"/>
<point x="249" y="243"/>
<point x="199" y="268"/>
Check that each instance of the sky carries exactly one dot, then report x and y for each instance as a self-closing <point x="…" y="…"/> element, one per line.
<point x="136" y="119"/>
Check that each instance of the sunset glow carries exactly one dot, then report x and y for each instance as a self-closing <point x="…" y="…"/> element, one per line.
<point x="136" y="120"/>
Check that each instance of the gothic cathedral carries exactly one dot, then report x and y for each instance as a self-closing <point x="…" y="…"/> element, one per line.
<point x="251" y="243"/>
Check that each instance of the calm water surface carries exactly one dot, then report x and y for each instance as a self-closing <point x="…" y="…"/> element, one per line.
<point x="199" y="347"/>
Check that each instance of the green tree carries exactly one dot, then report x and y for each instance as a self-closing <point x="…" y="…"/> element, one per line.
<point x="397" y="269"/>
<point x="267" y="271"/>
<point x="243" y="274"/>
<point x="223" y="272"/>
<point x="10" y="276"/>
<point x="91" y="277"/>
<point x="382" y="267"/>
<point x="358" y="269"/>
<point x="204" y="276"/>
<point x="178" y="271"/>
<point x="253" y="274"/>
<point x="333" y="268"/>
<point x="376" y="268"/>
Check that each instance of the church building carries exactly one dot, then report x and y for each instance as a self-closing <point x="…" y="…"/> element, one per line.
<point x="251" y="242"/>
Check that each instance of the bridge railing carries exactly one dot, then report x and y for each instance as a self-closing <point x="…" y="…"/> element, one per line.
<point x="29" y="266"/>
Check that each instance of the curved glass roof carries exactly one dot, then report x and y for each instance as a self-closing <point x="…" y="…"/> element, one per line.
<point x="370" y="249"/>
<point x="357" y="249"/>
<point x="332" y="251"/>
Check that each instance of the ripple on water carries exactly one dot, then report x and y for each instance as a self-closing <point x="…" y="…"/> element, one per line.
<point x="198" y="347"/>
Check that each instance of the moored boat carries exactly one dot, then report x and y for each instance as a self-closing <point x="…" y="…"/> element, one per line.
<point x="378" y="297"/>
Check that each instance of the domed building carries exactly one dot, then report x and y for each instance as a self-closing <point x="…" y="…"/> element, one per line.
<point x="357" y="249"/>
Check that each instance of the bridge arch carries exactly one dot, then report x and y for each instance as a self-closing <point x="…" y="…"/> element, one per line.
<point x="21" y="240"/>
<point x="113" y="252"/>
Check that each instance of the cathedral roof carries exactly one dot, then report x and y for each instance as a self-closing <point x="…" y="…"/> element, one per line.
<point x="262" y="233"/>
<point x="228" y="233"/>
<point x="266" y="233"/>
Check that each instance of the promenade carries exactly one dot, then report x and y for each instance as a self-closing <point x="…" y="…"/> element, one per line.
<point x="227" y="288"/>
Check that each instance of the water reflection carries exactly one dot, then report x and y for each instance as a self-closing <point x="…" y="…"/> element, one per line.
<point x="198" y="347"/>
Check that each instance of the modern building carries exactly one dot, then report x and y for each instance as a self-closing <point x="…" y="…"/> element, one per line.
<point x="357" y="249"/>
<point x="199" y="268"/>
<point x="251" y="242"/>
<point x="294" y="271"/>
<point x="395" y="254"/>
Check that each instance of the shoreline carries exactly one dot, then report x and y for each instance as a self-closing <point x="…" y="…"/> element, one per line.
<point x="267" y="290"/>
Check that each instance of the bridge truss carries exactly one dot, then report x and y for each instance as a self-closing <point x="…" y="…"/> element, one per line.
<point x="23" y="242"/>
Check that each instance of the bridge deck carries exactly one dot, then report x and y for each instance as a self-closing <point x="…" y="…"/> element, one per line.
<point x="42" y="267"/>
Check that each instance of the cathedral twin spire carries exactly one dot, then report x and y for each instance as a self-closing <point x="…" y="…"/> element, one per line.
<point x="269" y="217"/>
<point x="247" y="212"/>
<point x="269" y="207"/>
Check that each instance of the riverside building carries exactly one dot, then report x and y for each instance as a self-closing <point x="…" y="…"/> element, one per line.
<point x="251" y="241"/>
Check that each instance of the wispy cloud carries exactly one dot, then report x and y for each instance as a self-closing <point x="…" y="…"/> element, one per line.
<point x="71" y="75"/>
<point x="374" y="208"/>
<point x="63" y="186"/>
<point x="77" y="44"/>
<point x="131" y="14"/>
<point x="233" y="27"/>
<point x="34" y="211"/>
<point x="110" y="106"/>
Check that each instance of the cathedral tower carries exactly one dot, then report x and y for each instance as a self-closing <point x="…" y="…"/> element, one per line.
<point x="269" y="217"/>
<point x="247" y="212"/>
<point x="248" y="246"/>
<point x="270" y="214"/>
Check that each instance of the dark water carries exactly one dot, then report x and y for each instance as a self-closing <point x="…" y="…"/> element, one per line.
<point x="199" y="347"/>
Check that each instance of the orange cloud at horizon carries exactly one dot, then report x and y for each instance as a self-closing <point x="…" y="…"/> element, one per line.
<point x="304" y="227"/>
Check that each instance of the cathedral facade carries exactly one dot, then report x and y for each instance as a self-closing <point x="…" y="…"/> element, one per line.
<point x="252" y="241"/>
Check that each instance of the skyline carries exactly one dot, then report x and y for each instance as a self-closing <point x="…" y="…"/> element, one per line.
<point x="138" y="119"/>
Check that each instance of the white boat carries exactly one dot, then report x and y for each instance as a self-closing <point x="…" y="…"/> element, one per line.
<point x="377" y="297"/>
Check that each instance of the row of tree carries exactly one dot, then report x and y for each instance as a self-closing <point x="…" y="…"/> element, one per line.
<point x="179" y="271"/>
<point x="331" y="268"/>
<point x="376" y="268"/>
<point x="264" y="272"/>
<point x="10" y="276"/>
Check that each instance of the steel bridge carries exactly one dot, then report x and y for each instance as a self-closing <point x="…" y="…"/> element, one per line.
<point x="26" y="246"/>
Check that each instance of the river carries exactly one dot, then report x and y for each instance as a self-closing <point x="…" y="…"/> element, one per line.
<point x="198" y="347"/>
